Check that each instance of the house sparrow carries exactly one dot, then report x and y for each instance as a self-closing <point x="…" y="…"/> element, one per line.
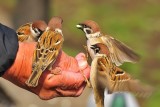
<point x="118" y="52"/>
<point x="31" y="31"/>
<point x="115" y="80"/>
<point x="48" y="47"/>
<point x="115" y="50"/>
<point x="107" y="54"/>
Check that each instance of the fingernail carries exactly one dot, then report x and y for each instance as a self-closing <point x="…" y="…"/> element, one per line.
<point x="64" y="87"/>
<point x="82" y="62"/>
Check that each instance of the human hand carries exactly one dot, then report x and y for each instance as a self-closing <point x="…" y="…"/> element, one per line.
<point x="68" y="81"/>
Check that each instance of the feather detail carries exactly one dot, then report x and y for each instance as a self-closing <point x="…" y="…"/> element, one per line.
<point x="47" y="50"/>
<point x="117" y="80"/>
<point x="119" y="52"/>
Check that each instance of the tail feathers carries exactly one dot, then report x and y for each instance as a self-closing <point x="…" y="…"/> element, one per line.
<point x="34" y="78"/>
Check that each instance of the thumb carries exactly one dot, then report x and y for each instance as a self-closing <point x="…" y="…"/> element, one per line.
<point x="82" y="62"/>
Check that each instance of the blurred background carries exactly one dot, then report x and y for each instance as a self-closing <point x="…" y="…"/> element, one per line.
<point x="134" y="22"/>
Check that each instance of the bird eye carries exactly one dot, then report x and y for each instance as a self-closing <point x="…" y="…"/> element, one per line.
<point x="20" y="33"/>
<point x="85" y="26"/>
<point x="95" y="48"/>
<point x="88" y="31"/>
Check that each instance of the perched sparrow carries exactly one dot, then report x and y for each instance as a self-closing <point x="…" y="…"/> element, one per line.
<point x="118" y="52"/>
<point x="48" y="47"/>
<point x="31" y="31"/>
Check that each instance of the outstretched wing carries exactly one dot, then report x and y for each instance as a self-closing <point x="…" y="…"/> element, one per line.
<point x="119" y="52"/>
<point x="117" y="80"/>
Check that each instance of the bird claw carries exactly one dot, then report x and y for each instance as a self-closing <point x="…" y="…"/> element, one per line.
<point x="86" y="49"/>
<point x="56" y="71"/>
<point x="86" y="80"/>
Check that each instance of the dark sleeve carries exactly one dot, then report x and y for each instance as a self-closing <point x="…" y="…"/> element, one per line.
<point x="8" y="47"/>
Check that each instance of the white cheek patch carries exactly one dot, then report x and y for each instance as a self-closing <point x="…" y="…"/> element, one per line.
<point x="59" y="31"/>
<point x="33" y="32"/>
<point x="85" y="30"/>
<point x="47" y="28"/>
<point x="94" y="35"/>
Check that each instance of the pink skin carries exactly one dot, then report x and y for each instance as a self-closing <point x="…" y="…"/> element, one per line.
<point x="67" y="82"/>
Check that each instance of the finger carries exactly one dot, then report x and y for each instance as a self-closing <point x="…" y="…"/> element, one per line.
<point x="86" y="72"/>
<point x="66" y="80"/>
<point x="82" y="62"/>
<point x="83" y="65"/>
<point x="79" y="92"/>
<point x="66" y="93"/>
<point x="70" y="92"/>
<point x="66" y="62"/>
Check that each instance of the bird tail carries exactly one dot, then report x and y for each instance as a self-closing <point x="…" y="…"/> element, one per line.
<point x="34" y="78"/>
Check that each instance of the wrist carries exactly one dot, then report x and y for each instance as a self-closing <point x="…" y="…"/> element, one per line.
<point x="22" y="66"/>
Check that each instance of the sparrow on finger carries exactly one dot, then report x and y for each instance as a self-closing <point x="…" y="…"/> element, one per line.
<point x="30" y="32"/>
<point x="48" y="47"/>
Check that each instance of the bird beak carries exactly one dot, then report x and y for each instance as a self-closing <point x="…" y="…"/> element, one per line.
<point x="79" y="26"/>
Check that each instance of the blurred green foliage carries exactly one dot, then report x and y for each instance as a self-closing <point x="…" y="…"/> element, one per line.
<point x="8" y="3"/>
<point x="134" y="22"/>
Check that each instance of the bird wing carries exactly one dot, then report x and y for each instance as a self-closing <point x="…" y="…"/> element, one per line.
<point x="117" y="80"/>
<point x="119" y="52"/>
<point x="23" y="32"/>
<point x="47" y="50"/>
<point x="22" y="38"/>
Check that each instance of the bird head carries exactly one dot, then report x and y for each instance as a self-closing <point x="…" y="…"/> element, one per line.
<point x="24" y="29"/>
<point x="38" y="27"/>
<point x="55" y="24"/>
<point x="90" y="28"/>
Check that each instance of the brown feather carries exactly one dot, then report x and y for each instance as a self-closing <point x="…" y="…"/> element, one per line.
<point x="55" y="22"/>
<point x="117" y="80"/>
<point x="94" y="26"/>
<point x="25" y="34"/>
<point x="40" y="24"/>
<point x="47" y="50"/>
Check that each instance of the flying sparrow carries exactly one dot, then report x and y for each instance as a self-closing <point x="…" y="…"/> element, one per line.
<point x="48" y="47"/>
<point x="31" y="31"/>
<point x="115" y="80"/>
<point x="118" y="52"/>
<point x="115" y="50"/>
<point x="107" y="54"/>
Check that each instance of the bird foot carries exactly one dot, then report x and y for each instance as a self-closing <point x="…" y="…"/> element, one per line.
<point x="88" y="82"/>
<point x="56" y="71"/>
<point x="86" y="53"/>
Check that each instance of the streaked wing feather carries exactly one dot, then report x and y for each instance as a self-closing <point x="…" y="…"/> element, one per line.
<point x="47" y="50"/>
<point x="22" y="38"/>
<point x="119" y="52"/>
<point x="117" y="80"/>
